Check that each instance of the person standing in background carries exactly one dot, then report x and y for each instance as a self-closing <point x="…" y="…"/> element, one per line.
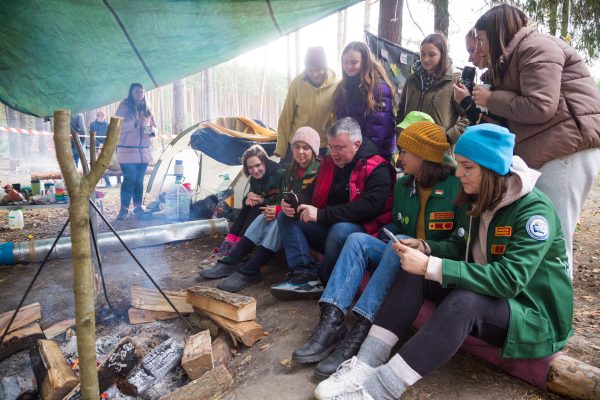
<point x="429" y="89"/>
<point x="309" y="102"/>
<point x="544" y="90"/>
<point x="365" y="94"/>
<point x="100" y="127"/>
<point x="78" y="126"/>
<point x="134" y="148"/>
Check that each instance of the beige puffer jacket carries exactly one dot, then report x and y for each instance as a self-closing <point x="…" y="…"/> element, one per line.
<point x="548" y="97"/>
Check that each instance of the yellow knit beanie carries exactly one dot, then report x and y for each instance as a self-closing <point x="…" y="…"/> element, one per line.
<point x="425" y="139"/>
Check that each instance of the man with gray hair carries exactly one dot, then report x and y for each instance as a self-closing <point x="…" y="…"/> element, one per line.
<point x="352" y="193"/>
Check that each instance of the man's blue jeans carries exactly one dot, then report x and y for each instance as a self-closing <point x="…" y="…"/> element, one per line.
<point x="299" y="237"/>
<point x="360" y="252"/>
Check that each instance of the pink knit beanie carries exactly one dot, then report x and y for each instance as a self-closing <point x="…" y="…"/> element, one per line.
<point x="309" y="136"/>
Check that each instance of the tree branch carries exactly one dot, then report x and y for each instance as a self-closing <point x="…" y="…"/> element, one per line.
<point x="62" y="141"/>
<point x="110" y="144"/>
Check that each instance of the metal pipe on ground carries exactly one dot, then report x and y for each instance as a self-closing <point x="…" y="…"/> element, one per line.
<point x="35" y="250"/>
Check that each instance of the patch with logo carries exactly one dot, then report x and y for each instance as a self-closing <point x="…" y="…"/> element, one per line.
<point x="441" y="215"/>
<point x="503" y="231"/>
<point x="438" y="192"/>
<point x="537" y="227"/>
<point x="405" y="220"/>
<point x="461" y="232"/>
<point x="399" y="216"/>
<point x="441" y="226"/>
<point x="498" y="249"/>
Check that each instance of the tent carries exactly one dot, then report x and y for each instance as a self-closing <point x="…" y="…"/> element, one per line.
<point x="214" y="149"/>
<point x="82" y="54"/>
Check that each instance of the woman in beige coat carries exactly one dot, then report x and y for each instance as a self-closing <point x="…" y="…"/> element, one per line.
<point x="544" y="90"/>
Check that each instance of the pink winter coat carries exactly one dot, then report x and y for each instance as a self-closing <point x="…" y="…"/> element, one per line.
<point x="135" y="146"/>
<point x="548" y="97"/>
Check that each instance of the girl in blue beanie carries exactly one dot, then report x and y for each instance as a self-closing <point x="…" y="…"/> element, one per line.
<point x="502" y="277"/>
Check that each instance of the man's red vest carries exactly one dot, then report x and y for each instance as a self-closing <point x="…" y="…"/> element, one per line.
<point x="358" y="178"/>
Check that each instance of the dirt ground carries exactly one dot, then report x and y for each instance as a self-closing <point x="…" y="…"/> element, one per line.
<point x="264" y="371"/>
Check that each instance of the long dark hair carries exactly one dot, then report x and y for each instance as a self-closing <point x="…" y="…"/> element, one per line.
<point x="130" y="102"/>
<point x="491" y="189"/>
<point x="440" y="42"/>
<point x="371" y="73"/>
<point x="500" y="24"/>
<point x="431" y="173"/>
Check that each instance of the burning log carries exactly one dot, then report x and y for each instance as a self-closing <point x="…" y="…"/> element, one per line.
<point x="53" y="375"/>
<point x="116" y="366"/>
<point x="248" y="332"/>
<point x="197" y="355"/>
<point x="20" y="339"/>
<point x="155" y="365"/>
<point x="137" y="316"/>
<point x="152" y="300"/>
<point x="210" y="385"/>
<point x="27" y="314"/>
<point x="229" y="305"/>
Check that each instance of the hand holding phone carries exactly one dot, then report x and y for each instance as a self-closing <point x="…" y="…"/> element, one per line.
<point x="292" y="199"/>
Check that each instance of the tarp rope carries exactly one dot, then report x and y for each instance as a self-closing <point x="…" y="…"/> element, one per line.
<point x="273" y="17"/>
<point x="133" y="46"/>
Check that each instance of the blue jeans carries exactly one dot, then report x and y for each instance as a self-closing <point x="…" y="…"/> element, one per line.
<point x="133" y="184"/>
<point x="360" y="252"/>
<point x="299" y="237"/>
<point x="265" y="234"/>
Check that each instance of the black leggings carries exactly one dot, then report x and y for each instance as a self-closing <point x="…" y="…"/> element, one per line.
<point x="244" y="219"/>
<point x="459" y="313"/>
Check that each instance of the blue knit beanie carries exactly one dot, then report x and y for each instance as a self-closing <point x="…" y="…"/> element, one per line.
<point x="489" y="145"/>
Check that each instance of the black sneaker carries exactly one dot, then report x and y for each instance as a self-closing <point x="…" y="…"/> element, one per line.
<point x="238" y="281"/>
<point x="298" y="286"/>
<point x="219" y="270"/>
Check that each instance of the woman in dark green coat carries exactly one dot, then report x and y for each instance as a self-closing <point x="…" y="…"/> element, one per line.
<point x="502" y="276"/>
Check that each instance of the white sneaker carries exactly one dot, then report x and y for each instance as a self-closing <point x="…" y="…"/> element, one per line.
<point x="356" y="392"/>
<point x="349" y="375"/>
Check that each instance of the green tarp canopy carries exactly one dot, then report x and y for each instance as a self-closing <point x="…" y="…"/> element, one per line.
<point x="82" y="54"/>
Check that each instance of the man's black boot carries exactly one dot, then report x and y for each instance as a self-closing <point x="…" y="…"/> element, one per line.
<point x="327" y="334"/>
<point x="346" y="349"/>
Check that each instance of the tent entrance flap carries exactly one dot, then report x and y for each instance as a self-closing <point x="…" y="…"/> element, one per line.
<point x="217" y="146"/>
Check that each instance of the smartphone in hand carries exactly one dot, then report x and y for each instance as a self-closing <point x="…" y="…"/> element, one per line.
<point x="292" y="199"/>
<point x="391" y="235"/>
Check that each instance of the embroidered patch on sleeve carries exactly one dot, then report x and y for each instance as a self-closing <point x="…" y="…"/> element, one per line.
<point x="441" y="226"/>
<point x="498" y="249"/>
<point x="537" y="227"/>
<point x="503" y="231"/>
<point x="438" y="192"/>
<point x="441" y="215"/>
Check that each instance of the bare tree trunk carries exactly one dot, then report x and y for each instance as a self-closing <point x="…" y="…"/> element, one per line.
<point x="24" y="139"/>
<point x="261" y="104"/>
<point x="565" y="14"/>
<point x="179" y="106"/>
<point x="79" y="188"/>
<point x="552" y="16"/>
<point x="297" y="49"/>
<point x="390" y="20"/>
<point x="340" y="34"/>
<point x="208" y="89"/>
<point x="441" y="17"/>
<point x="367" y="17"/>
<point x="289" y="58"/>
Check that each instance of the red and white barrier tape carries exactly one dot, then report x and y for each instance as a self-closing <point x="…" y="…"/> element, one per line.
<point x="27" y="131"/>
